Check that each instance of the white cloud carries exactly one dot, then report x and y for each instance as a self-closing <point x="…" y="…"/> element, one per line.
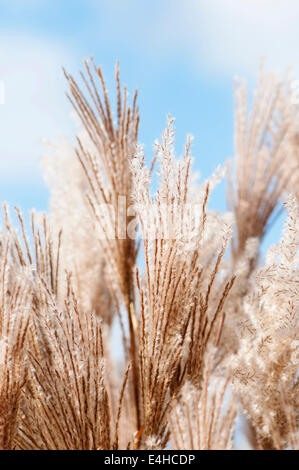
<point x="229" y="36"/>
<point x="222" y="36"/>
<point x="35" y="106"/>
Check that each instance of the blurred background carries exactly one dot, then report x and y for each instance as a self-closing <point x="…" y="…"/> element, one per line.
<point x="182" y="55"/>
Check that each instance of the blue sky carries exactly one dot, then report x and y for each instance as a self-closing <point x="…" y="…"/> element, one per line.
<point x="182" y="55"/>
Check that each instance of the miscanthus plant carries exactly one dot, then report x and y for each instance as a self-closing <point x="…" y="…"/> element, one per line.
<point x="209" y="327"/>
